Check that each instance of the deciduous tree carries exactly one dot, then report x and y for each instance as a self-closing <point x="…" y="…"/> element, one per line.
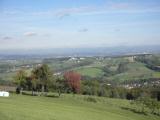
<point x="20" y="80"/>
<point x="43" y="76"/>
<point x="73" y="81"/>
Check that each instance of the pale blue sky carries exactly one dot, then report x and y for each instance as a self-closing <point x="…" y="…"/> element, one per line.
<point x="31" y="24"/>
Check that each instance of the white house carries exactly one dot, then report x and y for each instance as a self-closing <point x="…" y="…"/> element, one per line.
<point x="4" y="94"/>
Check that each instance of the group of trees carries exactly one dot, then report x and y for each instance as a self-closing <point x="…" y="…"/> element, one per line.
<point x="144" y="103"/>
<point x="38" y="80"/>
<point x="121" y="68"/>
<point x="95" y="87"/>
<point x="70" y="82"/>
<point x="41" y="80"/>
<point x="152" y="62"/>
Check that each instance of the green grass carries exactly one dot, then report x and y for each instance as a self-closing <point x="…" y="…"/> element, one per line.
<point x="135" y="71"/>
<point x="156" y="74"/>
<point x="90" y="71"/>
<point x="67" y="107"/>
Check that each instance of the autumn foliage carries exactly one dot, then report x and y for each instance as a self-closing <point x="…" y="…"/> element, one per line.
<point x="73" y="80"/>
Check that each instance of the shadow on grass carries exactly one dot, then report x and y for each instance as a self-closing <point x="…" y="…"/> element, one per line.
<point x="52" y="96"/>
<point x="158" y="114"/>
<point x="90" y="99"/>
<point x="134" y="110"/>
<point x="29" y="94"/>
<point x="45" y="95"/>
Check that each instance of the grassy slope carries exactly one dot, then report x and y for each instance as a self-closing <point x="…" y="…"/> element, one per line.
<point x="135" y="70"/>
<point x="18" y="107"/>
<point x="90" y="71"/>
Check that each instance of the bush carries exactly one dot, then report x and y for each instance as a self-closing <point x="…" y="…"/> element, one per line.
<point x="129" y="96"/>
<point x="17" y="90"/>
<point x="145" y="102"/>
<point x="90" y="99"/>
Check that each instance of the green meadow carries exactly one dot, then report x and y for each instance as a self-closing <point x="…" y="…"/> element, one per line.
<point x="67" y="107"/>
<point x="90" y="71"/>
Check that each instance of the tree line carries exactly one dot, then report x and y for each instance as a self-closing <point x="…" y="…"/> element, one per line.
<point x="41" y="80"/>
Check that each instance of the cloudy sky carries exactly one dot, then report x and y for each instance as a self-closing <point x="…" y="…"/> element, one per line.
<point x="32" y="24"/>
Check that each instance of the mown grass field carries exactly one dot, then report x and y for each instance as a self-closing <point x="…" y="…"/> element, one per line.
<point x="67" y="107"/>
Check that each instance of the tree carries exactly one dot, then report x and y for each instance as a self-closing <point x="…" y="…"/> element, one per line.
<point x="122" y="67"/>
<point x="158" y="96"/>
<point x="146" y="102"/>
<point x="43" y="76"/>
<point x="141" y="102"/>
<point x="73" y="80"/>
<point x="60" y="85"/>
<point x="129" y="96"/>
<point x="152" y="104"/>
<point x="91" y="87"/>
<point x="108" y="72"/>
<point x="34" y="82"/>
<point x="20" y="80"/>
<point x="158" y="107"/>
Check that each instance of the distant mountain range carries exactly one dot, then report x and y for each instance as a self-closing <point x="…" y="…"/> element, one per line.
<point x="96" y="51"/>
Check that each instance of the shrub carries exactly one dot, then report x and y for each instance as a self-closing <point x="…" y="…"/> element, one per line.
<point x="90" y="99"/>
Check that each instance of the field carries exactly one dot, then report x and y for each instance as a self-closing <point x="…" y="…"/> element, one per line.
<point x="67" y="107"/>
<point x="136" y="70"/>
<point x="90" y="71"/>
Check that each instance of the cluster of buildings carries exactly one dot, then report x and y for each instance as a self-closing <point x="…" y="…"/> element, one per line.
<point x="151" y="82"/>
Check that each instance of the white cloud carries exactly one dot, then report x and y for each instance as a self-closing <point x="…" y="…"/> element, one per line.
<point x="64" y="12"/>
<point x="30" y="34"/>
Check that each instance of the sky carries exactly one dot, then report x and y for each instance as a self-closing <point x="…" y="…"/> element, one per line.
<point x="41" y="24"/>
